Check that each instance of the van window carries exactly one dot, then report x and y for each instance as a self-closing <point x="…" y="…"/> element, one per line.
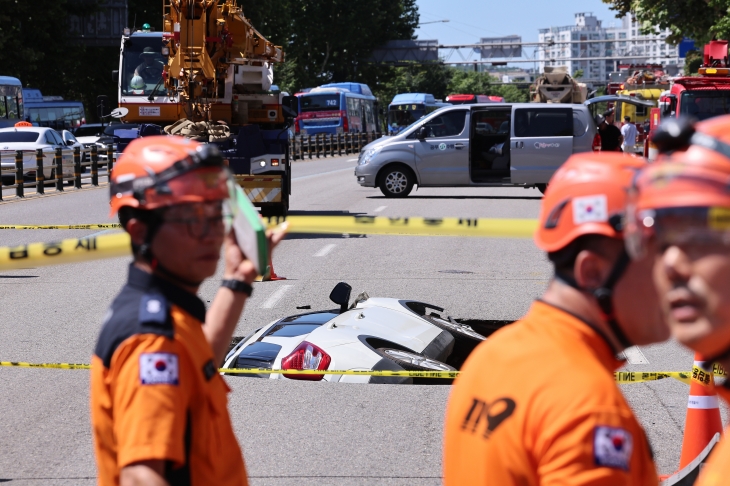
<point x="543" y="122"/>
<point x="447" y="124"/>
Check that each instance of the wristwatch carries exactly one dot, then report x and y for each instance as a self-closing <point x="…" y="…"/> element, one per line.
<point x="238" y="286"/>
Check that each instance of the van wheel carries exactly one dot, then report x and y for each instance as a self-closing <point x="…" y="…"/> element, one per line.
<point x="396" y="181"/>
<point x="541" y="187"/>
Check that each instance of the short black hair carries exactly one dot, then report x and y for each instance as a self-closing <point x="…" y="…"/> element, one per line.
<point x="563" y="260"/>
<point x="149" y="217"/>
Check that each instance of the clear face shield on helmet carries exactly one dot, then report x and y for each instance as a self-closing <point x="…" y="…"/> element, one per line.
<point x="707" y="227"/>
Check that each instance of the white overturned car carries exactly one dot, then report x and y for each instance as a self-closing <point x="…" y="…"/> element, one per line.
<point x="371" y="334"/>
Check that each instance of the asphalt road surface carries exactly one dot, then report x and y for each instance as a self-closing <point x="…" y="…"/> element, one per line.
<point x="291" y="432"/>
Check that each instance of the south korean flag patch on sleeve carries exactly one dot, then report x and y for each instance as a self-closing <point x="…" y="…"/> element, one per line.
<point x="158" y="369"/>
<point x="612" y="447"/>
<point x="590" y="209"/>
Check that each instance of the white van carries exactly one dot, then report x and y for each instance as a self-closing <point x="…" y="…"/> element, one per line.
<point x="495" y="144"/>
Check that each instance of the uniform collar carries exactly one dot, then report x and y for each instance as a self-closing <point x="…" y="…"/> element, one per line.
<point x="595" y="338"/>
<point x="190" y="303"/>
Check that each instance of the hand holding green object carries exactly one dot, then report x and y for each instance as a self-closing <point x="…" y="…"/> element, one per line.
<point x="249" y="229"/>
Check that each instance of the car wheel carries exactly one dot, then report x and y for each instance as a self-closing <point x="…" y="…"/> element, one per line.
<point x="397" y="181"/>
<point x="466" y="339"/>
<point x="541" y="187"/>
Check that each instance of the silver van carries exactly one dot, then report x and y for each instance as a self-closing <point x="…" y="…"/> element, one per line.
<point x="495" y="144"/>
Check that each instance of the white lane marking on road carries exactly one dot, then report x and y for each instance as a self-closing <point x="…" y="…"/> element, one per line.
<point x="351" y="160"/>
<point x="276" y="297"/>
<point x="320" y="174"/>
<point x="325" y="250"/>
<point x="377" y="210"/>
<point x="634" y="356"/>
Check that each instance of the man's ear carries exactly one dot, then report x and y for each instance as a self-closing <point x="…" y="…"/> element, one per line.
<point x="590" y="269"/>
<point x="137" y="231"/>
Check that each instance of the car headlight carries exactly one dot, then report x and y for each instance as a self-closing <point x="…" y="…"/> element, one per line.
<point x="368" y="155"/>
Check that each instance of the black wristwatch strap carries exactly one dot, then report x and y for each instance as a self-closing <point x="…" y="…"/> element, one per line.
<point x="238" y="286"/>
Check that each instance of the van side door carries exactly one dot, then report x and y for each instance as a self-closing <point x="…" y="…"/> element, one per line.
<point x="442" y="158"/>
<point x="542" y="140"/>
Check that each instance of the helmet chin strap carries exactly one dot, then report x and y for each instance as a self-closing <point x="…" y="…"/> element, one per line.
<point x="604" y="297"/>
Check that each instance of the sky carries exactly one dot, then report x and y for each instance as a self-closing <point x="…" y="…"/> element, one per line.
<point x="471" y="19"/>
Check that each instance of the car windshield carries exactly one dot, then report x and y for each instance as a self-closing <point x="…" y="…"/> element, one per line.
<point x="320" y="102"/>
<point x="18" y="137"/>
<point x="143" y="65"/>
<point x="126" y="126"/>
<point x="405" y="115"/>
<point x="88" y="131"/>
<point x="705" y="104"/>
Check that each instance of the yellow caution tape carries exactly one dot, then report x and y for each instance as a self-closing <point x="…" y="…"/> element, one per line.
<point x="61" y="226"/>
<point x="622" y="377"/>
<point x="371" y="225"/>
<point x="380" y="225"/>
<point x="66" y="251"/>
<point x="115" y="245"/>
<point x="626" y="377"/>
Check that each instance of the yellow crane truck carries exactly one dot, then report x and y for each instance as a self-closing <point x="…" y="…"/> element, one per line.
<point x="209" y="76"/>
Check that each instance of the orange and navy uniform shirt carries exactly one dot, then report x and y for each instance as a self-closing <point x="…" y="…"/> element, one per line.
<point x="156" y="393"/>
<point x="717" y="469"/>
<point x="537" y="404"/>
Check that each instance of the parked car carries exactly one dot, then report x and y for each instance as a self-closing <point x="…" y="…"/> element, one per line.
<point x="102" y="136"/>
<point x="370" y="334"/>
<point x="486" y="144"/>
<point x="73" y="143"/>
<point x="30" y="139"/>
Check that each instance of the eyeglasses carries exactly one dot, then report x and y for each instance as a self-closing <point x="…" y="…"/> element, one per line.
<point x="202" y="219"/>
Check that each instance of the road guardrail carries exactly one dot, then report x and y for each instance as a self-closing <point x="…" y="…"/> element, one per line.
<point x="80" y="162"/>
<point x="329" y="144"/>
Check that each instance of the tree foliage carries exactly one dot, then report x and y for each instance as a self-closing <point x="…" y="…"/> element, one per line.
<point x="700" y="20"/>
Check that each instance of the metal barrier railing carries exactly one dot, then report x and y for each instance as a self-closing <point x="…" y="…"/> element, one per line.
<point x="20" y="170"/>
<point x="329" y="144"/>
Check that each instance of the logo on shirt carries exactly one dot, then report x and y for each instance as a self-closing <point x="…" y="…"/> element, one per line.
<point x="487" y="415"/>
<point x="158" y="369"/>
<point x="612" y="447"/>
<point x="590" y="209"/>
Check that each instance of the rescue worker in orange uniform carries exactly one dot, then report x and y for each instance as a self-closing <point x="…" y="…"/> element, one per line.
<point x="681" y="217"/>
<point x="537" y="403"/>
<point x="158" y="404"/>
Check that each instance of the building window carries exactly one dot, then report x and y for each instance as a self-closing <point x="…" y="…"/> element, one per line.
<point x="622" y="35"/>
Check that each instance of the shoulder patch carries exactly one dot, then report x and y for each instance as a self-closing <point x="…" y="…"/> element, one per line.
<point x="158" y="369"/>
<point x="153" y="309"/>
<point x="612" y="447"/>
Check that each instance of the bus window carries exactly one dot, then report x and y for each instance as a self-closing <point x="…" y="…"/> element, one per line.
<point x="320" y="102"/>
<point x="369" y="116"/>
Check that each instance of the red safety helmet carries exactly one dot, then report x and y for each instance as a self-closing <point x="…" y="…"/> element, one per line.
<point x="159" y="171"/>
<point x="586" y="196"/>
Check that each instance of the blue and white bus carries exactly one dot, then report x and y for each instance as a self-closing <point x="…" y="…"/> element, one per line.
<point x="52" y="111"/>
<point x="337" y="108"/>
<point x="11" y="101"/>
<point x="406" y="108"/>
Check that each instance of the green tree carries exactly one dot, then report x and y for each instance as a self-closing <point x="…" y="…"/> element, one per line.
<point x="692" y="62"/>
<point x="578" y="74"/>
<point x="696" y="19"/>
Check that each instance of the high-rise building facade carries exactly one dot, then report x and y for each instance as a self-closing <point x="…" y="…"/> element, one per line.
<point x="598" y="59"/>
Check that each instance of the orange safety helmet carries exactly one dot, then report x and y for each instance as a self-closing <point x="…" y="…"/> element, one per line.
<point x="159" y="171"/>
<point x="697" y="176"/>
<point x="687" y="195"/>
<point x="586" y="196"/>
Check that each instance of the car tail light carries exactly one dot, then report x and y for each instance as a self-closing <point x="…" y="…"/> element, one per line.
<point x="296" y="126"/>
<point x="597" y="143"/>
<point x="306" y="356"/>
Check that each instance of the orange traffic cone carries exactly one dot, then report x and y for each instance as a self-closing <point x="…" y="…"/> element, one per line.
<point x="270" y="275"/>
<point x="703" y="414"/>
